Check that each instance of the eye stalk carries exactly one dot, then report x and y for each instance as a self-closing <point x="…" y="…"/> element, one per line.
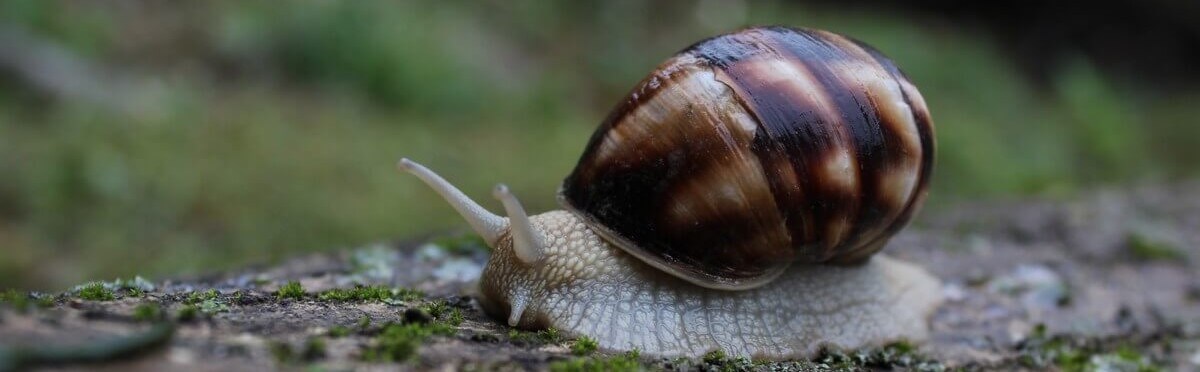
<point x="485" y="223"/>
<point x="526" y="242"/>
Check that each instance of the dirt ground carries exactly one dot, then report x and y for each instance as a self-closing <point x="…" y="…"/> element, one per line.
<point x="1106" y="281"/>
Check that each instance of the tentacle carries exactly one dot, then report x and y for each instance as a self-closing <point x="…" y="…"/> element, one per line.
<point x="527" y="243"/>
<point x="487" y="224"/>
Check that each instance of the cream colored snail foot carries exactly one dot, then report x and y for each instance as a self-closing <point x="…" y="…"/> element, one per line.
<point x="735" y="200"/>
<point x="587" y="288"/>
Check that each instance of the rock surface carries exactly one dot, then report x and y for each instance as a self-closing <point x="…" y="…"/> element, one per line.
<point x="1106" y="280"/>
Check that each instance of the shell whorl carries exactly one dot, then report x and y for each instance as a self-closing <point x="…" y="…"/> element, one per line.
<point x="752" y="150"/>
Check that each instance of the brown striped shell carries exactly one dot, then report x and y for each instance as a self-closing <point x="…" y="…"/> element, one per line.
<point x="749" y="151"/>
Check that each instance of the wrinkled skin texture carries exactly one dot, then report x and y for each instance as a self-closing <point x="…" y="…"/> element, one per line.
<point x="584" y="286"/>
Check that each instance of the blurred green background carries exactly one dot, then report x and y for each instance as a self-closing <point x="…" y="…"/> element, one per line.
<point x="175" y="138"/>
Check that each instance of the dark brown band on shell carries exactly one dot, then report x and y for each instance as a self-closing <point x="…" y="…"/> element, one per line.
<point x="749" y="151"/>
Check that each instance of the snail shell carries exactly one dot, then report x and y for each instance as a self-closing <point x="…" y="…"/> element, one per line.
<point x="749" y="151"/>
<point x="736" y="158"/>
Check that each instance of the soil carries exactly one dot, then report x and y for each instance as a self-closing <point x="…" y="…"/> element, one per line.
<point x="1105" y="280"/>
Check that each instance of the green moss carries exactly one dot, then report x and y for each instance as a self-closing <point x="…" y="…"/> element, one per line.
<point x="187" y="313"/>
<point x="1041" y="351"/>
<point x="107" y="291"/>
<point x="1039" y="331"/>
<point x="282" y="352"/>
<point x="357" y="294"/>
<point x="1124" y="358"/>
<point x="1145" y="247"/>
<point x="364" y="322"/>
<point x="314" y="349"/>
<point x="1127" y="352"/>
<point x="213" y="306"/>
<point x="198" y="297"/>
<point x="292" y="290"/>
<point x="371" y="294"/>
<point x="390" y="296"/>
<point x="545" y="336"/>
<point x="455" y="318"/>
<point x="625" y="362"/>
<point x="18" y="300"/>
<point x="96" y="291"/>
<point x="22" y="301"/>
<point x="901" y="347"/>
<point x="436" y="308"/>
<point x="1129" y="355"/>
<point x="209" y="302"/>
<point x="714" y="357"/>
<point x="339" y="331"/>
<point x="147" y="313"/>
<point x="45" y="300"/>
<point x="584" y="346"/>
<point x="399" y="342"/>
<point x="440" y="329"/>
<point x="898" y="355"/>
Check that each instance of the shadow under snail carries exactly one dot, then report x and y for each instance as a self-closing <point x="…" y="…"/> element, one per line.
<point x="734" y="200"/>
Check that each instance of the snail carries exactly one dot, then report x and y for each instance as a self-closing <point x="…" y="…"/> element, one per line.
<point x="736" y="199"/>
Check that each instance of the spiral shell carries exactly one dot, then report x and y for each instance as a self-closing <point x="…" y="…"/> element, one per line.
<point x="749" y="151"/>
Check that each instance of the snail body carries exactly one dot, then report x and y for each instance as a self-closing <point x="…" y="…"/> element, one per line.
<point x="734" y="200"/>
<point x="588" y="287"/>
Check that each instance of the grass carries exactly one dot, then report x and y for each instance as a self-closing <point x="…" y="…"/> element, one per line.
<point x="292" y="290"/>
<point x="291" y="149"/>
